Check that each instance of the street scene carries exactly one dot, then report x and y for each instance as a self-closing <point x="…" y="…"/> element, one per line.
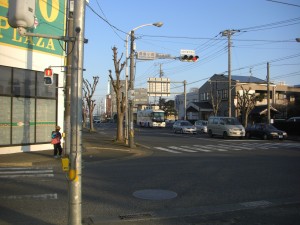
<point x="149" y="112"/>
<point x="167" y="179"/>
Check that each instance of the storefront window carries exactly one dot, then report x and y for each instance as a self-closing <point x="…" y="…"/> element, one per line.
<point x="28" y="112"/>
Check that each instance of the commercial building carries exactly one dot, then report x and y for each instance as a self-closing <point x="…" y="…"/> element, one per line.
<point x="31" y="109"/>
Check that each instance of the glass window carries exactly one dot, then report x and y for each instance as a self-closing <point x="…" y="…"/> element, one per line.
<point x="23" y="120"/>
<point x="23" y="82"/>
<point x="5" y="80"/>
<point x="5" y="125"/>
<point x="30" y="109"/>
<point x="45" y="119"/>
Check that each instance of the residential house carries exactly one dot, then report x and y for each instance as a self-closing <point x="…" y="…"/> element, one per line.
<point x="213" y="97"/>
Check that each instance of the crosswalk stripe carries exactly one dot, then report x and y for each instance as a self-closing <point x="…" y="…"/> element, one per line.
<point x="167" y="150"/>
<point x="216" y="149"/>
<point x="34" y="196"/>
<point x="224" y="147"/>
<point x="15" y="172"/>
<point x="181" y="149"/>
<point x="201" y="148"/>
<point x="196" y="148"/>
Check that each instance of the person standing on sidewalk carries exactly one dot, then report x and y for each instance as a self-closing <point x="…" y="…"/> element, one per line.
<point x="56" y="136"/>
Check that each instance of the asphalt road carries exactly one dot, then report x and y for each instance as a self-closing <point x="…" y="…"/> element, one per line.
<point x="179" y="179"/>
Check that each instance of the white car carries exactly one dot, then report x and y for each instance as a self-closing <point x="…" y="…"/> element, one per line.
<point x="201" y="126"/>
<point x="184" y="127"/>
<point x="225" y="126"/>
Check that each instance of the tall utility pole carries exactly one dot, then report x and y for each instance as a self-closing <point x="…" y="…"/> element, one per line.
<point x="228" y="33"/>
<point x="184" y="87"/>
<point x="67" y="119"/>
<point x="268" y="93"/>
<point x="75" y="198"/>
<point x="131" y="88"/>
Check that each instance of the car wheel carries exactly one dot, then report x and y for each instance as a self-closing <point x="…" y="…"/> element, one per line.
<point x="265" y="137"/>
<point x="225" y="135"/>
<point x="210" y="133"/>
<point x="248" y="135"/>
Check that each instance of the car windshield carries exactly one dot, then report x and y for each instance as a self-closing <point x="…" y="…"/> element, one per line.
<point x="271" y="127"/>
<point x="231" y="121"/>
<point x="186" y="123"/>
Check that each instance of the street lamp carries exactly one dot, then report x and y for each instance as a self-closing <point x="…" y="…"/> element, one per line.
<point x="129" y="130"/>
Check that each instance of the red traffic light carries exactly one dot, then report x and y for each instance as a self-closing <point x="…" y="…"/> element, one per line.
<point x="195" y="58"/>
<point x="48" y="72"/>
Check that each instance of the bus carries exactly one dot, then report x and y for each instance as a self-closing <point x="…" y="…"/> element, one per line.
<point x="151" y="118"/>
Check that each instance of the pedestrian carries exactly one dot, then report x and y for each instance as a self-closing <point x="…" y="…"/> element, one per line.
<point x="56" y="136"/>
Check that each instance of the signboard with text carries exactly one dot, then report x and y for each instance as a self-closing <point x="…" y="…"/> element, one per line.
<point x="159" y="87"/>
<point x="50" y="20"/>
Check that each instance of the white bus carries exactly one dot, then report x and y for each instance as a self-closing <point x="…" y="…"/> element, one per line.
<point x="151" y="118"/>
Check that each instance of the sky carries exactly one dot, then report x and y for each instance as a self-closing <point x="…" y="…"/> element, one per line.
<point x="265" y="32"/>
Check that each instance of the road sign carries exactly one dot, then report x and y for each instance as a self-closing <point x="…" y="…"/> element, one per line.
<point x="187" y="52"/>
<point x="163" y="56"/>
<point x="159" y="87"/>
<point x="146" y="55"/>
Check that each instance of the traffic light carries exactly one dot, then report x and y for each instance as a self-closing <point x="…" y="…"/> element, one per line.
<point x="48" y="76"/>
<point x="189" y="58"/>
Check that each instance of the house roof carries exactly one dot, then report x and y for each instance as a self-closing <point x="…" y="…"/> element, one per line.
<point x="198" y="106"/>
<point x="262" y="109"/>
<point x="246" y="79"/>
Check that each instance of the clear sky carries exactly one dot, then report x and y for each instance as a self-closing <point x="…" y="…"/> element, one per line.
<point x="267" y="32"/>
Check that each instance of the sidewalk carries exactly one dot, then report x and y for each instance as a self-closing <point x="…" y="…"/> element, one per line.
<point x="96" y="147"/>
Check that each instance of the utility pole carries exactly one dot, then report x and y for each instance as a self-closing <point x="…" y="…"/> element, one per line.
<point x="75" y="172"/>
<point x="67" y="113"/>
<point x="228" y="33"/>
<point x="184" y="87"/>
<point x="131" y="88"/>
<point x="268" y="93"/>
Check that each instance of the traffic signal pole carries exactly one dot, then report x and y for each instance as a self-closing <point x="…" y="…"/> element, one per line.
<point x="75" y="172"/>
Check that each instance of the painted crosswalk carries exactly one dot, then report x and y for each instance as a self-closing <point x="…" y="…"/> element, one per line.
<point x="250" y="146"/>
<point x="19" y="172"/>
<point x="8" y="176"/>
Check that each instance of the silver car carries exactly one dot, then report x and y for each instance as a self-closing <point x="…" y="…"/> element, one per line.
<point x="201" y="126"/>
<point x="184" y="127"/>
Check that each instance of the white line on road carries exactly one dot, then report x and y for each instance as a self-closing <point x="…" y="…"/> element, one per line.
<point x="167" y="150"/>
<point x="34" y="196"/>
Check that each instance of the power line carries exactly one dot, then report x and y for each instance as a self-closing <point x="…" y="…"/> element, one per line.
<point x="285" y="3"/>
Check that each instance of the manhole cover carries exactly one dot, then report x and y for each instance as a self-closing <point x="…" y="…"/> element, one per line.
<point x="154" y="194"/>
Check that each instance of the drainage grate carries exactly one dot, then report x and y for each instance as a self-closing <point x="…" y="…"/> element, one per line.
<point x="135" y="216"/>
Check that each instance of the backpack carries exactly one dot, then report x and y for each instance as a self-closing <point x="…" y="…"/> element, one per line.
<point x="54" y="138"/>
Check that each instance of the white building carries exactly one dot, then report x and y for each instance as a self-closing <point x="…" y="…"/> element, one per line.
<point x="30" y="109"/>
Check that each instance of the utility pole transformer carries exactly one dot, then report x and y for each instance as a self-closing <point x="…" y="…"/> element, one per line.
<point x="75" y="172"/>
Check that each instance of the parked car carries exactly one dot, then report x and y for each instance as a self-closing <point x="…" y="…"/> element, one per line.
<point x="201" y="126"/>
<point x="225" y="126"/>
<point x="184" y="126"/>
<point x="265" y="131"/>
<point x="293" y="119"/>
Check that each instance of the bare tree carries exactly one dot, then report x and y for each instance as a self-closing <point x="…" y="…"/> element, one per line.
<point x="120" y="97"/>
<point x="215" y="100"/>
<point x="84" y="110"/>
<point x="245" y="103"/>
<point x="89" y="91"/>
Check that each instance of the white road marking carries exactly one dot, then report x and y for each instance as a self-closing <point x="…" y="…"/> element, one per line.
<point x="33" y="196"/>
<point x="167" y="150"/>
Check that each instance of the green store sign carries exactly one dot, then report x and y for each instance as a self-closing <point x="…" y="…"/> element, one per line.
<point x="51" y="16"/>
